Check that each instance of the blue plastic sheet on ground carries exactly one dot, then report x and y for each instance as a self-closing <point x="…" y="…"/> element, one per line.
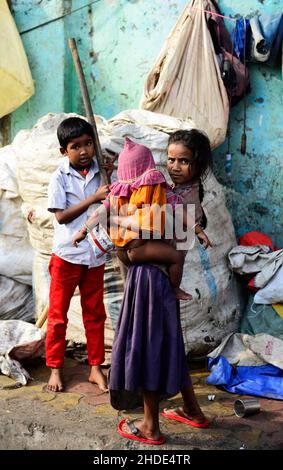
<point x="263" y="381"/>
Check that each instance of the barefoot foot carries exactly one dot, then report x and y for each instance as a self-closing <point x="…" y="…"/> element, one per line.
<point x="181" y="294"/>
<point x="55" y="383"/>
<point x="97" y="377"/>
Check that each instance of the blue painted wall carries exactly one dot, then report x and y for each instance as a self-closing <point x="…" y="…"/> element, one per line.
<point x="45" y="51"/>
<point x="118" y="41"/>
<point x="254" y="192"/>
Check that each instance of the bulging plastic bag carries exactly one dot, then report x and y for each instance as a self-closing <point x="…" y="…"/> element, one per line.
<point x="16" y="84"/>
<point x="185" y="81"/>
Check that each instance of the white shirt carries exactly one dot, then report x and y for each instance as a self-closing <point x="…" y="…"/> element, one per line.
<point x="66" y="189"/>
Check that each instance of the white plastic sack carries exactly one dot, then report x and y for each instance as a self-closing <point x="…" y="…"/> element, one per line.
<point x="38" y="156"/>
<point x="248" y="259"/>
<point x="19" y="340"/>
<point x="272" y="293"/>
<point x="143" y="127"/>
<point x="256" y="259"/>
<point x="16" y="258"/>
<point x="251" y="350"/>
<point x="217" y="299"/>
<point x="185" y="81"/>
<point x="15" y="250"/>
<point x="16" y="300"/>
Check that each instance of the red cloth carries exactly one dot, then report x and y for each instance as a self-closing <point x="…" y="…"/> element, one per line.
<point x="256" y="238"/>
<point x="65" y="277"/>
<point x="253" y="239"/>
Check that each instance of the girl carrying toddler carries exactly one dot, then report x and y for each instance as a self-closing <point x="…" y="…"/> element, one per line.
<point x="139" y="198"/>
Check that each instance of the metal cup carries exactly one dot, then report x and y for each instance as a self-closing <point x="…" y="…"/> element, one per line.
<point x="246" y="407"/>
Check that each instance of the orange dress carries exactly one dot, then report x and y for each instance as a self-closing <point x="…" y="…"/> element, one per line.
<point x="146" y="206"/>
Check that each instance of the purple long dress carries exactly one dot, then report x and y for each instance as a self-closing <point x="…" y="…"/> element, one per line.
<point x="148" y="350"/>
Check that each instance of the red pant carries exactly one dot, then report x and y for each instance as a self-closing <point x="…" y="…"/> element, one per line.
<point x="65" y="277"/>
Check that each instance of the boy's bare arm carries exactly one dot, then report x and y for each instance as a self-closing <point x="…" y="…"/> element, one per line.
<point x="64" y="216"/>
<point x="91" y="222"/>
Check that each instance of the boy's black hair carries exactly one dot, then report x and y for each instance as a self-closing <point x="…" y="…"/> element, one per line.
<point x="198" y="143"/>
<point x="71" y="128"/>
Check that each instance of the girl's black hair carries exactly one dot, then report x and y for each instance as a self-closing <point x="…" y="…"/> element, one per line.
<point x="71" y="128"/>
<point x="199" y="145"/>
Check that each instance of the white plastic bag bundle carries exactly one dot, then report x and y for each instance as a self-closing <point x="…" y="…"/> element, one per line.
<point x="272" y="293"/>
<point x="144" y="127"/>
<point x="38" y="156"/>
<point x="217" y="301"/>
<point x="15" y="250"/>
<point x="19" y="340"/>
<point x="185" y="81"/>
<point x="251" y="350"/>
<point x="16" y="302"/>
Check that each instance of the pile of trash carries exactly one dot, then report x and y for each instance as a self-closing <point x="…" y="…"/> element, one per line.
<point x="250" y="362"/>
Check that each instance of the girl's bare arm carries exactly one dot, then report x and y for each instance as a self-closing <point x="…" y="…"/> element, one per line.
<point x="189" y="223"/>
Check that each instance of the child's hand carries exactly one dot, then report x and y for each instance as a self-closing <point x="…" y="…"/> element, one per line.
<point x="79" y="236"/>
<point x="101" y="193"/>
<point x="108" y="164"/>
<point x="203" y="239"/>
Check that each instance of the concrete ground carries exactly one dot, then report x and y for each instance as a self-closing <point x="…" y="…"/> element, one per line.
<point x="82" y="417"/>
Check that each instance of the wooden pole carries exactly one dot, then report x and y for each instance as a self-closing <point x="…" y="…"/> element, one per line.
<point x="42" y="317"/>
<point x="90" y="118"/>
<point x="87" y="105"/>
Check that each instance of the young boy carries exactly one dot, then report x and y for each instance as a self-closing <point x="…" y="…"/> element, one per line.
<point x="73" y="188"/>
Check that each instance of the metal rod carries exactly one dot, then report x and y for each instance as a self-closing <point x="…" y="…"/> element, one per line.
<point x="90" y="118"/>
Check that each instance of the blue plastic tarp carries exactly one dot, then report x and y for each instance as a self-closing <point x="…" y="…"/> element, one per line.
<point x="263" y="381"/>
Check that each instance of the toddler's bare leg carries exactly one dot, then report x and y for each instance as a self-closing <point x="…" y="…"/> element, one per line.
<point x="155" y="251"/>
<point x="123" y="252"/>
